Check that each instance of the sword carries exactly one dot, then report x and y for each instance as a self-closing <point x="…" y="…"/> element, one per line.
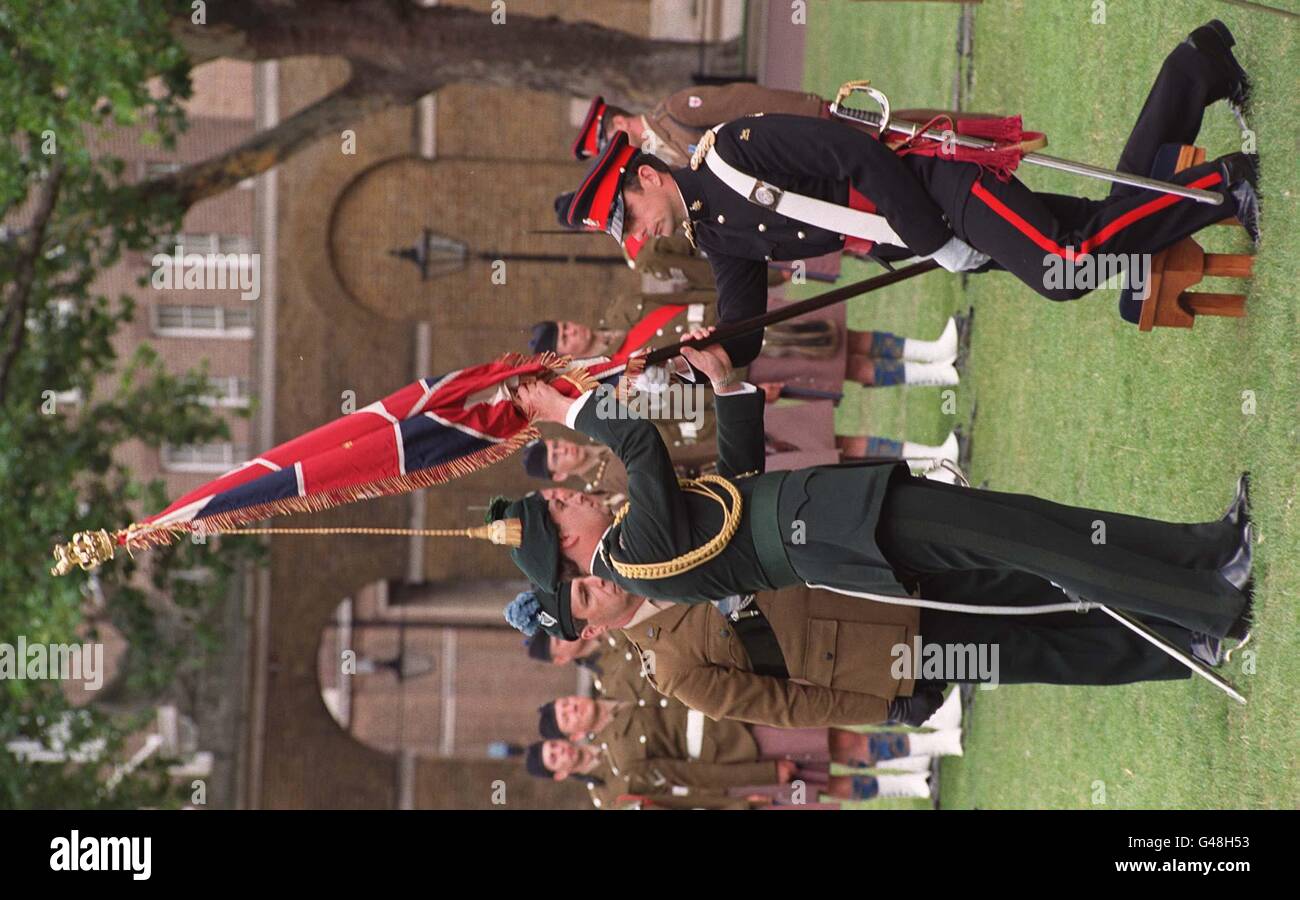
<point x="883" y="123"/>
<point x="1142" y="631"/>
<point x="1158" y="641"/>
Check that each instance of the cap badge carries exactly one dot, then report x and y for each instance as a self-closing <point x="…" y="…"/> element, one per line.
<point x="547" y="620"/>
<point x="694" y="102"/>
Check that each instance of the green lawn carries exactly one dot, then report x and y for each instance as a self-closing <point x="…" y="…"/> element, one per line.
<point x="1076" y="405"/>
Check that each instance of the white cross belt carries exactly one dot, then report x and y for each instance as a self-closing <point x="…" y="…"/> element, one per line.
<point x="809" y="210"/>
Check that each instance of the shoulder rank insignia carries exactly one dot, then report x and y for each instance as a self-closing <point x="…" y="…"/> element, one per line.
<point x="690" y="234"/>
<point x="702" y="148"/>
<point x="697" y="206"/>
<point x="744" y="134"/>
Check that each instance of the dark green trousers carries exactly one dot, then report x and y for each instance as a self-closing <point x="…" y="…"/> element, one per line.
<point x="1145" y="566"/>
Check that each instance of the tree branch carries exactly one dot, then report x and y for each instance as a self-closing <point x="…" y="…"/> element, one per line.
<point x="422" y="47"/>
<point x="25" y="274"/>
<point x="327" y="116"/>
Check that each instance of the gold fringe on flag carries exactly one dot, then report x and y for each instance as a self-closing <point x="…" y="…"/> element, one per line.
<point x="89" y="549"/>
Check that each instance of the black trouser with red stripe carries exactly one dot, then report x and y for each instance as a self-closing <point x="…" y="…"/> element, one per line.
<point x="1032" y="235"/>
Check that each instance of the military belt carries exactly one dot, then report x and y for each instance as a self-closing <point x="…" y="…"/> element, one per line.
<point x="759" y="640"/>
<point x="748" y="622"/>
<point x="765" y="530"/>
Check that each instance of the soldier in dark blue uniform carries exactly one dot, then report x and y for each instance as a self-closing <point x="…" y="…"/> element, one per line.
<point x="954" y="212"/>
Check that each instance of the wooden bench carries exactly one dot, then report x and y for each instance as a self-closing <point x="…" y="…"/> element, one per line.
<point x="1169" y="303"/>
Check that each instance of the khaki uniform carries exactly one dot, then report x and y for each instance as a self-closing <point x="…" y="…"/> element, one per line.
<point x="680" y="118"/>
<point x="613" y="795"/>
<point x="608" y="477"/>
<point x="672" y="258"/>
<point x="672" y="750"/>
<point x="695" y="800"/>
<point x="837" y="650"/>
<point x="620" y="676"/>
<point x="605" y="796"/>
<point x="686" y="443"/>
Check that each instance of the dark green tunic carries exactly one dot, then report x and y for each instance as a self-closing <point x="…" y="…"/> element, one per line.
<point x="826" y="516"/>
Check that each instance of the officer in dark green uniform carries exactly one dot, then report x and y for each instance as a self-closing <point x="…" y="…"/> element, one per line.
<point x="863" y="529"/>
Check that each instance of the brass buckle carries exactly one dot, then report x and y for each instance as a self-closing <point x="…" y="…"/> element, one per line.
<point x="746" y="610"/>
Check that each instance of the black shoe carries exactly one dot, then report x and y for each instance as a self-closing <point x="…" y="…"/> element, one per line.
<point x="1236" y="571"/>
<point x="915" y="709"/>
<point x="1215" y="41"/>
<point x="1207" y="649"/>
<point x="1239" y="510"/>
<point x="964" y="323"/>
<point x="1241" y="176"/>
<point x="1240" y="167"/>
<point x="1240" y="629"/>
<point x="963" y="448"/>
<point x="1247" y="202"/>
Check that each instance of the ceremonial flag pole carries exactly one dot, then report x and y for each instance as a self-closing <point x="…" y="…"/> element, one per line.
<point x="426" y="433"/>
<point x="794" y="310"/>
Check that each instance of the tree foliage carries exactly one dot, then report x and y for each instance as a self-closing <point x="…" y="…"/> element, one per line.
<point x="70" y="75"/>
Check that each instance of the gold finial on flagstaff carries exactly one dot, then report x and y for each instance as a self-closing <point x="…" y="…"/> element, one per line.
<point x="87" y="549"/>
<point x="509" y="532"/>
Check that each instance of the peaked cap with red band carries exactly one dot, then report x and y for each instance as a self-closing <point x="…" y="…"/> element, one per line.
<point x="591" y="136"/>
<point x="598" y="204"/>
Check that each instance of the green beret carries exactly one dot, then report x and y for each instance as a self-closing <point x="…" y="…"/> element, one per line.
<point x="538" y="555"/>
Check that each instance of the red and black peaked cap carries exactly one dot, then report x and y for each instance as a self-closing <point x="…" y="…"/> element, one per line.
<point x="598" y="204"/>
<point x="591" y="136"/>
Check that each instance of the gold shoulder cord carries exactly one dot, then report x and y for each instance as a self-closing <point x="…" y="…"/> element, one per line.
<point x="703" y="147"/>
<point x="701" y="554"/>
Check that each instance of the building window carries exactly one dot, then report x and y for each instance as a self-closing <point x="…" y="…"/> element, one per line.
<point x="71" y="397"/>
<point x="159" y="169"/>
<point x="215" y="458"/>
<point x="203" y="243"/>
<point x="193" y="320"/>
<point x="227" y="390"/>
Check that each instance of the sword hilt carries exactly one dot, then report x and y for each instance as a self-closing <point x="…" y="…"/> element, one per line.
<point x="852" y="87"/>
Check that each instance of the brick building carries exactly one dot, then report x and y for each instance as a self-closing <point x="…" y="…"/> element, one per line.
<point x="345" y="316"/>
<point x="465" y="176"/>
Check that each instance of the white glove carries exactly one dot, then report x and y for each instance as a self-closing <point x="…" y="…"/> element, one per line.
<point x="958" y="256"/>
<point x="653" y="380"/>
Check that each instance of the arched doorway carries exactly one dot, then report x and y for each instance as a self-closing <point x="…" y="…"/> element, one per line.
<point x="433" y="669"/>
